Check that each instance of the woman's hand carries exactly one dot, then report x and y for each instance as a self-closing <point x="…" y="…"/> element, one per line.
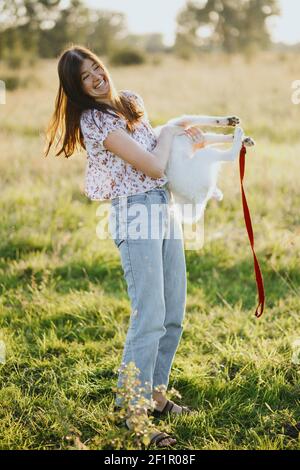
<point x="195" y="134"/>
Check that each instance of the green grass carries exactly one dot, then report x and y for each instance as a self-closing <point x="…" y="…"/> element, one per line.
<point x="64" y="308"/>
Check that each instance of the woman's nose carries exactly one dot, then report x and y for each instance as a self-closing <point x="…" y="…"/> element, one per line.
<point x="96" y="74"/>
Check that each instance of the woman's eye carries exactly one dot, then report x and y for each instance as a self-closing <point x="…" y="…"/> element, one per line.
<point x="85" y="77"/>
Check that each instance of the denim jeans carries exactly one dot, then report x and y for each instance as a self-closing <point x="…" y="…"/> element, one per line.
<point x="155" y="272"/>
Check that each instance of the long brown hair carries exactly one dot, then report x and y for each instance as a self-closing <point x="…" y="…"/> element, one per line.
<point x="71" y="101"/>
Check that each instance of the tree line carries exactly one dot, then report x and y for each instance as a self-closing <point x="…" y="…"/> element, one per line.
<point x="30" y="28"/>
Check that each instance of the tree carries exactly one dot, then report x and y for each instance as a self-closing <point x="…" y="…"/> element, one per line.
<point x="43" y="28"/>
<point x="108" y="31"/>
<point x="149" y="42"/>
<point x="21" y="22"/>
<point x="71" y="25"/>
<point x="96" y="29"/>
<point x="228" y="25"/>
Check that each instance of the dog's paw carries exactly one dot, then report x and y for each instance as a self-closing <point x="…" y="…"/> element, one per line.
<point x="233" y="121"/>
<point x="248" y="142"/>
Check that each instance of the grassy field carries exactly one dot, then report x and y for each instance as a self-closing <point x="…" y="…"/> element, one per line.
<point x="64" y="308"/>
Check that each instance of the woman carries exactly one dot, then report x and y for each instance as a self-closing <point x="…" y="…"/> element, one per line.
<point x="126" y="163"/>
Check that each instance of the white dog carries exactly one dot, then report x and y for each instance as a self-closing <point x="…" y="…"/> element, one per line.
<point x="193" y="175"/>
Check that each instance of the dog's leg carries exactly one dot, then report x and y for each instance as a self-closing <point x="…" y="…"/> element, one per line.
<point x="212" y="138"/>
<point x="188" y="120"/>
<point x="232" y="153"/>
<point x="216" y="155"/>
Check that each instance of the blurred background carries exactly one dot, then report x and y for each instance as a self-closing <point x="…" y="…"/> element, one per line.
<point x="64" y="308"/>
<point x="126" y="31"/>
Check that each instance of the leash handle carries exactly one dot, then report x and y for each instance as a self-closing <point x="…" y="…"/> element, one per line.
<point x="259" y="279"/>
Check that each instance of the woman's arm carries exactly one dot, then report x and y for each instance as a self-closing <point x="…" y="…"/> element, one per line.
<point x="153" y="163"/>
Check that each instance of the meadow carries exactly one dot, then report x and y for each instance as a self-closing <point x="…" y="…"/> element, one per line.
<point x="64" y="308"/>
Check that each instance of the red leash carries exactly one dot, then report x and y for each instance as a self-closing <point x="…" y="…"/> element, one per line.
<point x="259" y="279"/>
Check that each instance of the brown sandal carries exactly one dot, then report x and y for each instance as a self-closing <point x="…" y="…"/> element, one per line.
<point x="157" y="438"/>
<point x="168" y="409"/>
<point x="160" y="436"/>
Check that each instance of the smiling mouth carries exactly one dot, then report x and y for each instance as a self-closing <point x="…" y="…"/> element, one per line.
<point x="100" y="84"/>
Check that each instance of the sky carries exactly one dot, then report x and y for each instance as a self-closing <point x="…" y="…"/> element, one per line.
<point x="159" y="16"/>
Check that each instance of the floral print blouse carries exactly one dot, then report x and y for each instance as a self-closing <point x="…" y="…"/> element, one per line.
<point x="107" y="175"/>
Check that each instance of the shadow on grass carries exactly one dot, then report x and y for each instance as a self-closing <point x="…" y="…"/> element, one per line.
<point x="78" y="275"/>
<point x="73" y="276"/>
<point x="216" y="278"/>
<point x="16" y="249"/>
<point x="236" y="283"/>
<point x="246" y="409"/>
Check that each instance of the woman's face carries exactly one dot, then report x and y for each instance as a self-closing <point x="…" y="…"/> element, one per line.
<point x="94" y="81"/>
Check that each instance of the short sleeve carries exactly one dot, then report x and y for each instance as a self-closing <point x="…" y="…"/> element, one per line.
<point x="96" y="125"/>
<point x="138" y="99"/>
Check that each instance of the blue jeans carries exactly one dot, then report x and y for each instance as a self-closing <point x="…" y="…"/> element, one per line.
<point x="155" y="272"/>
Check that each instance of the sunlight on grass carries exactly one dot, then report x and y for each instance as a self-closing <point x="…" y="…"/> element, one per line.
<point x="64" y="308"/>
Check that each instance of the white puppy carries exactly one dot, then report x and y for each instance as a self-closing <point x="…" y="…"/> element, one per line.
<point x="193" y="175"/>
